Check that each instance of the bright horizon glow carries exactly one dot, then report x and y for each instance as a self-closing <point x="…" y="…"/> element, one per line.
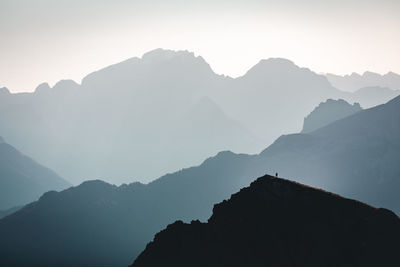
<point x="46" y="41"/>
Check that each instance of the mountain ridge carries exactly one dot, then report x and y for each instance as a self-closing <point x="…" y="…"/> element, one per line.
<point x="22" y="179"/>
<point x="275" y="222"/>
<point x="366" y="171"/>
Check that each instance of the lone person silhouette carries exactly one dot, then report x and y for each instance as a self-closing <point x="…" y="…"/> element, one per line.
<point x="276" y="174"/>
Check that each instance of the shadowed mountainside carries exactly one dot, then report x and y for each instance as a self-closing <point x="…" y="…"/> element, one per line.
<point x="104" y="225"/>
<point x="275" y="222"/>
<point x="22" y="180"/>
<point x="328" y="112"/>
<point x="4" y="213"/>
<point x="100" y="224"/>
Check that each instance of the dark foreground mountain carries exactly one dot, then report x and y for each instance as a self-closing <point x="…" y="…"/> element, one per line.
<point x="276" y="222"/>
<point x="100" y="224"/>
<point x="4" y="213"/>
<point x="328" y="112"/>
<point x="22" y="180"/>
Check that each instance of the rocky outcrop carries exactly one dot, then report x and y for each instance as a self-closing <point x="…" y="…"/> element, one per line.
<point x="328" y="112"/>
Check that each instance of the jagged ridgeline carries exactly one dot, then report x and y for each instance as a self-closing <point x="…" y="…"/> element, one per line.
<point x="123" y="122"/>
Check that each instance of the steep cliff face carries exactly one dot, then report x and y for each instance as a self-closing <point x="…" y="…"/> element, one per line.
<point x="276" y="222"/>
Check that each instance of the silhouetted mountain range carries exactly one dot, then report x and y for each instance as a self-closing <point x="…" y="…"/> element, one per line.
<point x="356" y="81"/>
<point x="125" y="121"/>
<point x="357" y="156"/>
<point x="328" y="112"/>
<point x="276" y="222"/>
<point x="100" y="224"/>
<point x="22" y="180"/>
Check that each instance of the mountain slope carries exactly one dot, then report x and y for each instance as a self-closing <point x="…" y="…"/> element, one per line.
<point x="22" y="180"/>
<point x="370" y="96"/>
<point x="357" y="156"/>
<point x="356" y="81"/>
<point x="279" y="87"/>
<point x="119" y="123"/>
<point x="100" y="224"/>
<point x="328" y="112"/>
<point x="4" y="213"/>
<point x="275" y="222"/>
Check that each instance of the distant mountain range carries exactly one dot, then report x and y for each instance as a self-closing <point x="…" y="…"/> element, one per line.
<point x="276" y="222"/>
<point x="100" y="224"/>
<point x="144" y="117"/>
<point x="356" y="81"/>
<point x="22" y="180"/>
<point x="328" y="112"/>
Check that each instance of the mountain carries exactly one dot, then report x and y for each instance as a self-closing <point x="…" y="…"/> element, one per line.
<point x="370" y="96"/>
<point x="100" y="224"/>
<point x="125" y="121"/>
<point x="22" y="180"/>
<point x="276" y="222"/>
<point x="328" y="112"/>
<point x="4" y="91"/>
<point x="329" y="158"/>
<point x="355" y="81"/>
<point x="274" y="86"/>
<point x="357" y="156"/>
<point x="131" y="120"/>
<point x="4" y="213"/>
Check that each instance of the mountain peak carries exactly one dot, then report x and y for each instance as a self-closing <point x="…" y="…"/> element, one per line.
<point x="4" y="91"/>
<point x="160" y="55"/>
<point x="277" y="222"/>
<point x="274" y="64"/>
<point x="43" y="88"/>
<point x="275" y="67"/>
<point x="65" y="85"/>
<point x="328" y="112"/>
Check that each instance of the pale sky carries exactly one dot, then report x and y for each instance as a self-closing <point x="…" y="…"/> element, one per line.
<point x="50" y="40"/>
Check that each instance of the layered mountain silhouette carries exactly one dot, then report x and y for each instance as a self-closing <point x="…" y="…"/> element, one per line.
<point x="369" y="96"/>
<point x="276" y="222"/>
<point x="100" y="224"/>
<point x="328" y="112"/>
<point x="356" y="81"/>
<point x="357" y="156"/>
<point x="124" y="122"/>
<point x="23" y="180"/>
